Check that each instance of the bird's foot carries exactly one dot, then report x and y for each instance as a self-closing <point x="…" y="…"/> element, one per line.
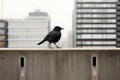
<point x="58" y="47"/>
<point x="50" y="47"/>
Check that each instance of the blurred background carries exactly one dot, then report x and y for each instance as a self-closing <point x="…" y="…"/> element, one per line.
<point x="86" y="23"/>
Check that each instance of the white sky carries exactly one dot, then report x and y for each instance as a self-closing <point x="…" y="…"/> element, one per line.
<point x="60" y="11"/>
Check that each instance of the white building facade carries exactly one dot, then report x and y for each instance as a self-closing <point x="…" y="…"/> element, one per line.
<point x="94" y="23"/>
<point x="26" y="33"/>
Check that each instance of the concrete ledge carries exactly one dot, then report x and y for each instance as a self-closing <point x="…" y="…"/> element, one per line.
<point x="61" y="49"/>
<point x="60" y="64"/>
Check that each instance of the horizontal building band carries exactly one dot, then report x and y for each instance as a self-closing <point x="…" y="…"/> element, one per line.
<point x="96" y="39"/>
<point x="118" y="41"/>
<point x="96" y="36"/>
<point x="97" y="3"/>
<point x="118" y="3"/>
<point x="118" y="13"/>
<point x="3" y="41"/>
<point x="118" y="33"/>
<point x="2" y="27"/>
<point x="96" y="42"/>
<point x="98" y="28"/>
<point x="98" y="33"/>
<point x="118" y="18"/>
<point x="96" y="7"/>
<point x="82" y="17"/>
<point x="93" y="27"/>
<point x="118" y="24"/>
<point x="3" y="38"/>
<point x="96" y="15"/>
<point x="111" y="11"/>
<point x="3" y="34"/>
<point x="118" y="8"/>
<point x="118" y="38"/>
<point x="97" y="12"/>
<point x="96" y="18"/>
<point x="96" y="45"/>
<point x="118" y="45"/>
<point x="118" y="28"/>
<point x="97" y="23"/>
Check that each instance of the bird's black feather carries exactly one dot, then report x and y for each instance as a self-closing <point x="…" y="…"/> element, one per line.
<point x="53" y="36"/>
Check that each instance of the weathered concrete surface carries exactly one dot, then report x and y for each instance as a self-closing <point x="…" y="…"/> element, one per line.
<point x="59" y="64"/>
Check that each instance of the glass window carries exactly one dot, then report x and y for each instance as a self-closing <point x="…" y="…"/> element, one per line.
<point x="96" y="15"/>
<point x="96" y="31"/>
<point x="2" y="44"/>
<point x="96" y="10"/>
<point x="97" y="26"/>
<point x="2" y="31"/>
<point x="2" y="25"/>
<point x="97" y="36"/>
<point x="97" y="1"/>
<point x="104" y="42"/>
<point x="96" y="20"/>
<point x="2" y="37"/>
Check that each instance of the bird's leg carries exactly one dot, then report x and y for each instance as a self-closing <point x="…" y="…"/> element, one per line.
<point x="49" y="45"/>
<point x="57" y="46"/>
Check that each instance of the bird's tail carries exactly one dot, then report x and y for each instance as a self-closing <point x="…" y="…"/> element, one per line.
<point x="41" y="42"/>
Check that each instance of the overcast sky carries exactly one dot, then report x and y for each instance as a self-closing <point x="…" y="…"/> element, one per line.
<point x="60" y="11"/>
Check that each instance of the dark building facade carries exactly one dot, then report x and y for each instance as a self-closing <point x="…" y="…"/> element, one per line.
<point x="3" y="34"/>
<point x="94" y="24"/>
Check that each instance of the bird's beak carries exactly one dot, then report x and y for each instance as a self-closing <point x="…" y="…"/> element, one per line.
<point x="62" y="28"/>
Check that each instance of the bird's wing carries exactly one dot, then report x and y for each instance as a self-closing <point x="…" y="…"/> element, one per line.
<point x="52" y="36"/>
<point x="48" y="35"/>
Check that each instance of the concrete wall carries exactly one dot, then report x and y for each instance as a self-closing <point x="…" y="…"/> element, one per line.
<point x="60" y="64"/>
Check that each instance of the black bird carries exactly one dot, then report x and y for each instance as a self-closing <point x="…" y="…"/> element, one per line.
<point x="53" y="36"/>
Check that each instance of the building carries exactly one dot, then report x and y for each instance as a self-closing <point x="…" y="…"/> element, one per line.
<point x="3" y="34"/>
<point x="26" y="33"/>
<point x="118" y="24"/>
<point x="94" y="23"/>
